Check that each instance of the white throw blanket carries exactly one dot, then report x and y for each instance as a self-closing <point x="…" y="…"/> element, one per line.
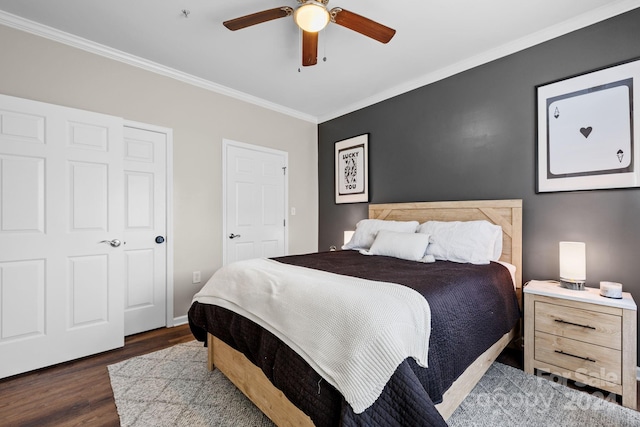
<point x="353" y="332"/>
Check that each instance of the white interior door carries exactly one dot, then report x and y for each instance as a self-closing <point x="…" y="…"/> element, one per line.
<point x="255" y="202"/>
<point x="61" y="267"/>
<point x="145" y="223"/>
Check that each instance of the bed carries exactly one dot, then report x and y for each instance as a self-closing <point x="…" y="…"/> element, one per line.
<point x="254" y="360"/>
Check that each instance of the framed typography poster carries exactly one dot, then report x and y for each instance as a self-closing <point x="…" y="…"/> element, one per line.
<point x="351" y="170"/>
<point x="588" y="130"/>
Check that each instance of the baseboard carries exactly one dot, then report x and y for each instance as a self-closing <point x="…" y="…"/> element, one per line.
<point x="182" y="320"/>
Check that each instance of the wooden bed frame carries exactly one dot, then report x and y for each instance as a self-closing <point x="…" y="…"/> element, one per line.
<point x="271" y="401"/>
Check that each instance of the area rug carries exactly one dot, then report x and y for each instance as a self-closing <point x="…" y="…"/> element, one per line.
<point x="506" y="396"/>
<point x="173" y="387"/>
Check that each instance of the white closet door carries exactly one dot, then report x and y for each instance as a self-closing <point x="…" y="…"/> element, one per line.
<point x="145" y="187"/>
<point x="61" y="198"/>
<point x="255" y="202"/>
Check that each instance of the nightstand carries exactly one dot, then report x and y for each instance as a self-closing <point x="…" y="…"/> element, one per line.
<point x="582" y="336"/>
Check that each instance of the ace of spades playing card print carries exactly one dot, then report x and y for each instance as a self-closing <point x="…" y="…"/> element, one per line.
<point x="351" y="170"/>
<point x="587" y="131"/>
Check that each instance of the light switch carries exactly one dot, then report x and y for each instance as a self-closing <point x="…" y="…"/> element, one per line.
<point x="196" y="277"/>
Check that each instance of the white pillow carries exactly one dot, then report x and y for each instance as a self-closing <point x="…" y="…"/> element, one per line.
<point x="409" y="246"/>
<point x="367" y="229"/>
<point x="474" y="242"/>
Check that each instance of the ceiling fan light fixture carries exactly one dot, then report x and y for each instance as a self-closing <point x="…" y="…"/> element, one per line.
<point x="312" y="16"/>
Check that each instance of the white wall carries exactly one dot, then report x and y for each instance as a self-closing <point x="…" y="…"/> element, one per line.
<point x="36" y="68"/>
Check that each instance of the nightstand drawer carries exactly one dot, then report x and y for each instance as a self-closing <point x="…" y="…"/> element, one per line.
<point x="584" y="325"/>
<point x="576" y="356"/>
<point x="582" y="336"/>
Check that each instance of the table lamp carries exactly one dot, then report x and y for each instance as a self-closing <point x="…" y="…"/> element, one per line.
<point x="573" y="266"/>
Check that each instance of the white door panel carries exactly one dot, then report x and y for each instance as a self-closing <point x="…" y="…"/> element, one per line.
<point x="89" y="197"/>
<point x="255" y="202"/>
<point x="145" y="162"/>
<point x="21" y="281"/>
<point x="61" y="195"/>
<point x="21" y="128"/>
<point x="22" y="196"/>
<point x="88" y="290"/>
<point x="138" y="264"/>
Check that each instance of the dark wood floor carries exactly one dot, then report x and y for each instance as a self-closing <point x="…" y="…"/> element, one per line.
<point x="79" y="392"/>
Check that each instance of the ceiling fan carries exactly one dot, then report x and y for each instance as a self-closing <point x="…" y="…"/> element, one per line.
<point x="312" y="16"/>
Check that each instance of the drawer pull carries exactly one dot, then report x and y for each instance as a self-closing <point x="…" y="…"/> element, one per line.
<point x="588" y="359"/>
<point x="574" y="324"/>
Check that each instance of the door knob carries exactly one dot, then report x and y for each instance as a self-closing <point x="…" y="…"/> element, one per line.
<point x="114" y="243"/>
<point x="159" y="239"/>
<point x="233" y="236"/>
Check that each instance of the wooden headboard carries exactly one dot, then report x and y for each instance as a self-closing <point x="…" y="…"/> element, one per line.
<point x="505" y="213"/>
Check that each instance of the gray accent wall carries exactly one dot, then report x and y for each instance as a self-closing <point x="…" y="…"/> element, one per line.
<point x="473" y="136"/>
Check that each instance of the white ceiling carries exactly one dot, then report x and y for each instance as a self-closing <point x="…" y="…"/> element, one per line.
<point x="261" y="64"/>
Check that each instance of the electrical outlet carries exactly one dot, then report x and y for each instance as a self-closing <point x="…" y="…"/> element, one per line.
<point x="196" y="277"/>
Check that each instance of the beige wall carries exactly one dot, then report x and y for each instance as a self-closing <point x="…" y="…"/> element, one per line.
<point x="35" y="68"/>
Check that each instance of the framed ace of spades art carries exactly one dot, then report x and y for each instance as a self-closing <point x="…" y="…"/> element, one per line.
<point x="588" y="131"/>
<point x="352" y="170"/>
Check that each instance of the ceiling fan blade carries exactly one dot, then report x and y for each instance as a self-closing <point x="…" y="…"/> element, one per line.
<point x="362" y="25"/>
<point x="309" y="48"/>
<point x="257" y="18"/>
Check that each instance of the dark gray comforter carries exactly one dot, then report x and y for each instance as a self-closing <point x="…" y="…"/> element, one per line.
<point x="472" y="306"/>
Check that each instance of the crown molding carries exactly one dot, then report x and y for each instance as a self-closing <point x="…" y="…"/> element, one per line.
<point x="28" y="26"/>
<point x="566" y="27"/>
<point x="580" y="21"/>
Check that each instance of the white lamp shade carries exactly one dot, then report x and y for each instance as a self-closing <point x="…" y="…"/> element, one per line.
<point x="311" y="17"/>
<point x="347" y="236"/>
<point x="573" y="264"/>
